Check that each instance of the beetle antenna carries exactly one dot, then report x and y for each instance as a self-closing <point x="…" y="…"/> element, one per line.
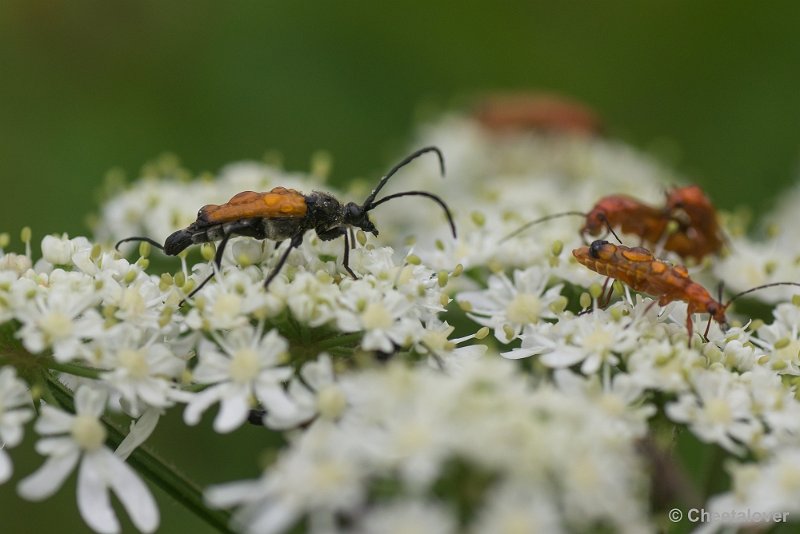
<point x="602" y="217"/>
<point x="540" y="220"/>
<point x="368" y="205"/>
<point x="420" y="194"/>
<point x="743" y="293"/>
<point x="145" y="239"/>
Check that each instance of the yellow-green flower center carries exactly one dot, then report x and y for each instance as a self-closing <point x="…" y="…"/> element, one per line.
<point x="88" y="432"/>
<point x="376" y="317"/>
<point x="135" y="362"/>
<point x="56" y="325"/>
<point x="244" y="365"/>
<point x="331" y="402"/>
<point x="227" y="305"/>
<point x="525" y="308"/>
<point x="718" y="411"/>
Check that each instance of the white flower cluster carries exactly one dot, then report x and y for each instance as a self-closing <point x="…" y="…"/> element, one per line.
<point x="483" y="447"/>
<point x="118" y="333"/>
<point x="448" y="436"/>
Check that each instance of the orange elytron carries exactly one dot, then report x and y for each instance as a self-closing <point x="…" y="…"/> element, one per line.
<point x="280" y="202"/>
<point x="285" y="214"/>
<point x="641" y="271"/>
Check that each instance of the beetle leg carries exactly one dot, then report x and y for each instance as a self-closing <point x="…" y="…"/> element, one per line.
<point x="294" y="243"/>
<point x="689" y="323"/>
<point x="352" y="237"/>
<point x="346" y="257"/>
<point x="605" y="299"/>
<point x="217" y="266"/>
<point x="708" y="326"/>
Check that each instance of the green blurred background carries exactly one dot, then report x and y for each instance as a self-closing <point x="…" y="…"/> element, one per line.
<point x="88" y="86"/>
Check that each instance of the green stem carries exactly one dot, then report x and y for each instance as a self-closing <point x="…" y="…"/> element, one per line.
<point x="46" y="392"/>
<point x="715" y="472"/>
<point x="72" y="369"/>
<point x="339" y="341"/>
<point x="154" y="468"/>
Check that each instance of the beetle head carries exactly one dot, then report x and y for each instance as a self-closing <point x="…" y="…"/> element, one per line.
<point x="355" y="215"/>
<point x="177" y="242"/>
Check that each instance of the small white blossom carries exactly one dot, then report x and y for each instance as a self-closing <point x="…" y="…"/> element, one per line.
<point x="446" y="351"/>
<point x="59" y="319"/>
<point x="592" y="339"/>
<point x="622" y="400"/>
<point x="241" y="367"/>
<point x="383" y="314"/>
<point x="314" y="393"/>
<point x="320" y="473"/>
<point x="72" y="439"/>
<point x="514" y="508"/>
<point x="663" y="366"/>
<point x="719" y="409"/>
<point x="762" y="494"/>
<point x="409" y="517"/>
<point x="781" y="341"/>
<point x="141" y="370"/>
<point x="227" y="303"/>
<point x="60" y="251"/>
<point x="508" y="306"/>
<point x="15" y="411"/>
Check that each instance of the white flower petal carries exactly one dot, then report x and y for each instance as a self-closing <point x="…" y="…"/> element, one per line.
<point x="44" y="482"/>
<point x="6" y="467"/>
<point x="53" y="421"/>
<point x="90" y="401"/>
<point x="275" y="400"/>
<point x="133" y="494"/>
<point x="200" y="402"/>
<point x="94" y="501"/>
<point x="140" y="430"/>
<point x="232" y="413"/>
<point x="226" y="495"/>
<point x="273" y="519"/>
<point x="58" y="446"/>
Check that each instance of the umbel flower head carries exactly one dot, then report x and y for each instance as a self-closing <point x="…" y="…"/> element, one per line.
<point x="477" y="384"/>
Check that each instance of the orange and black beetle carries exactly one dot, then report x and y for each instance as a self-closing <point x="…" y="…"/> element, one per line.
<point x="283" y="214"/>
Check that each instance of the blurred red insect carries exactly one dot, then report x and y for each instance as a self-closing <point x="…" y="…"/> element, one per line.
<point x="699" y="233"/>
<point x="696" y="232"/>
<point x="518" y="112"/>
